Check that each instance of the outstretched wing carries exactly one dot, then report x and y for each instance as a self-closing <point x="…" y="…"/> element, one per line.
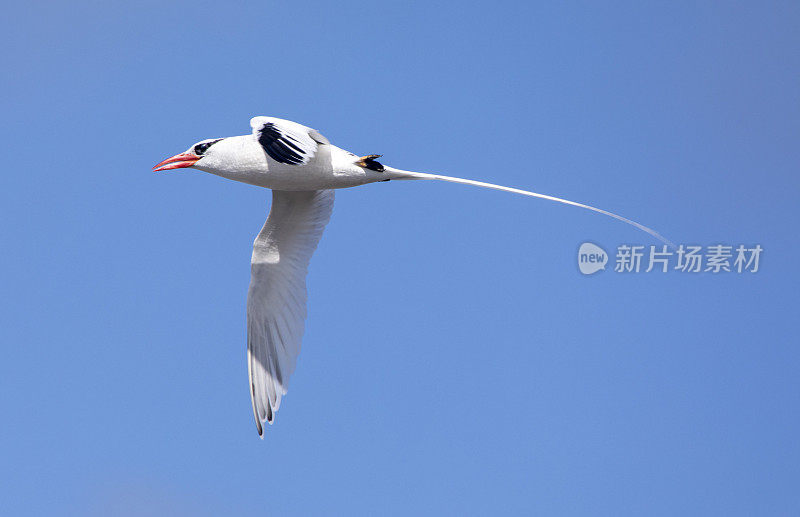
<point x="287" y="142"/>
<point x="276" y="300"/>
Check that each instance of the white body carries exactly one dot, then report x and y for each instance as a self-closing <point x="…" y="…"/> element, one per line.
<point x="331" y="167"/>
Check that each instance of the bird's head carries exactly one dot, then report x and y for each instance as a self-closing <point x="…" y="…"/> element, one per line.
<point x="201" y="154"/>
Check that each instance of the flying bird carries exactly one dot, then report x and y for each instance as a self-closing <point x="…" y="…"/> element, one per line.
<point x="303" y="169"/>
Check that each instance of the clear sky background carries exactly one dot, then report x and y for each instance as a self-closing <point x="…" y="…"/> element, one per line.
<point x="455" y="360"/>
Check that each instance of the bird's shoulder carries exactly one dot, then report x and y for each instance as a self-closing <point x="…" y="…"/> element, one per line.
<point x="286" y="141"/>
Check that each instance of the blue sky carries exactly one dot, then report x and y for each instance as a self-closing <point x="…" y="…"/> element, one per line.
<point x="455" y="360"/>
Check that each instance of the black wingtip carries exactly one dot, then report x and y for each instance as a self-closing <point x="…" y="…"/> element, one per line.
<point x="282" y="148"/>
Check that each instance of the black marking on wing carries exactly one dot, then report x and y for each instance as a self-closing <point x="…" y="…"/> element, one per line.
<point x="280" y="147"/>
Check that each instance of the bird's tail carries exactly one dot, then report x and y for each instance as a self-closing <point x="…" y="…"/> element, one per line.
<point x="397" y="174"/>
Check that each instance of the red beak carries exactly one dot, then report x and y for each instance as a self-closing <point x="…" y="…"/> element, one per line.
<point x="179" y="161"/>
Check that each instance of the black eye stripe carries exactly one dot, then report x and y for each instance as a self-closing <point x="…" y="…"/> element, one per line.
<point x="200" y="149"/>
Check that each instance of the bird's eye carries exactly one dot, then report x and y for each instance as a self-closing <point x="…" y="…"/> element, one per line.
<point x="201" y="148"/>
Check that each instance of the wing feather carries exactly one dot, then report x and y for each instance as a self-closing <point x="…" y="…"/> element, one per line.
<point x="285" y="141"/>
<point x="276" y="300"/>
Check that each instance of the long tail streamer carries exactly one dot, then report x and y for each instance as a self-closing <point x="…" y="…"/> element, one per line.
<point x="410" y="175"/>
